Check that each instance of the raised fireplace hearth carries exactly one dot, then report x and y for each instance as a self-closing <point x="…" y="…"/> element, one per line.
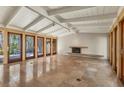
<point x="77" y="49"/>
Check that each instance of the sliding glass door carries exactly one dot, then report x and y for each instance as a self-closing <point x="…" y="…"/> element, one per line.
<point x="15" y="47"/>
<point x="54" y="46"/>
<point x="30" y="47"/>
<point x="48" y="46"/>
<point x="1" y="47"/>
<point x="40" y="46"/>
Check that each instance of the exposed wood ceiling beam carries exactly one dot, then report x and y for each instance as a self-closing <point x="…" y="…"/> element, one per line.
<point x="11" y="17"/>
<point x="59" y="32"/>
<point x="37" y="10"/>
<point x="94" y="32"/>
<point x="98" y="24"/>
<point x="68" y="24"/>
<point x="90" y="18"/>
<point x="67" y="9"/>
<point x="73" y="28"/>
<point x="54" y="31"/>
<point x="59" y="18"/>
<point x="30" y="31"/>
<point x="45" y="28"/>
<point x="37" y="20"/>
<point x="90" y="27"/>
<point x="93" y="29"/>
<point x="64" y="34"/>
<point x="106" y="21"/>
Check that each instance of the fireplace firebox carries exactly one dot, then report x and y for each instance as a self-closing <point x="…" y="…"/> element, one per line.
<point x="76" y="50"/>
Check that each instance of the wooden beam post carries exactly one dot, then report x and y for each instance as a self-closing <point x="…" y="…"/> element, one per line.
<point x="44" y="46"/>
<point x="36" y="55"/>
<point x="51" y="49"/>
<point x="5" y="48"/>
<point x="23" y="47"/>
<point x="113" y="62"/>
<point x="118" y="50"/>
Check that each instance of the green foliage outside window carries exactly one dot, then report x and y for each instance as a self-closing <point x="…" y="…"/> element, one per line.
<point x="14" y="45"/>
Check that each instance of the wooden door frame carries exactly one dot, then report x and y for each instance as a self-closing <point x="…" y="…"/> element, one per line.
<point x="56" y="46"/>
<point x="50" y="46"/>
<point x="122" y="47"/>
<point x="15" y="60"/>
<point x="111" y="48"/>
<point x="115" y="52"/>
<point x="42" y="46"/>
<point x="33" y="45"/>
<point x="121" y="71"/>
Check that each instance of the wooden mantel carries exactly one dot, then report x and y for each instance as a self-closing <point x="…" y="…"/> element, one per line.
<point x="78" y="47"/>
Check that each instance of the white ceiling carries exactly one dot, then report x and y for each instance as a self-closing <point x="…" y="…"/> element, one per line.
<point x="90" y="12"/>
<point x="5" y="12"/>
<point x="23" y="17"/>
<point x="59" y="20"/>
<point x="43" y="23"/>
<point x="51" y="29"/>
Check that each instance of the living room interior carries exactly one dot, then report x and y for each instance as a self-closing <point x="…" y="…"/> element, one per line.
<point x="61" y="46"/>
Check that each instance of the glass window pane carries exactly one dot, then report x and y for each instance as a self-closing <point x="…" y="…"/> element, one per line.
<point x="29" y="46"/>
<point x="14" y="46"/>
<point x="48" y="45"/>
<point x="1" y="47"/>
<point x="40" y="46"/>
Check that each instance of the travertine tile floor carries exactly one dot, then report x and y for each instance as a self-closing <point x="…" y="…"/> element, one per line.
<point x="59" y="71"/>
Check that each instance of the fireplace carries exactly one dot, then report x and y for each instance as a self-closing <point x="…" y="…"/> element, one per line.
<point x="76" y="50"/>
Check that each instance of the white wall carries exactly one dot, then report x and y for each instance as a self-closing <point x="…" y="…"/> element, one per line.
<point x="97" y="43"/>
